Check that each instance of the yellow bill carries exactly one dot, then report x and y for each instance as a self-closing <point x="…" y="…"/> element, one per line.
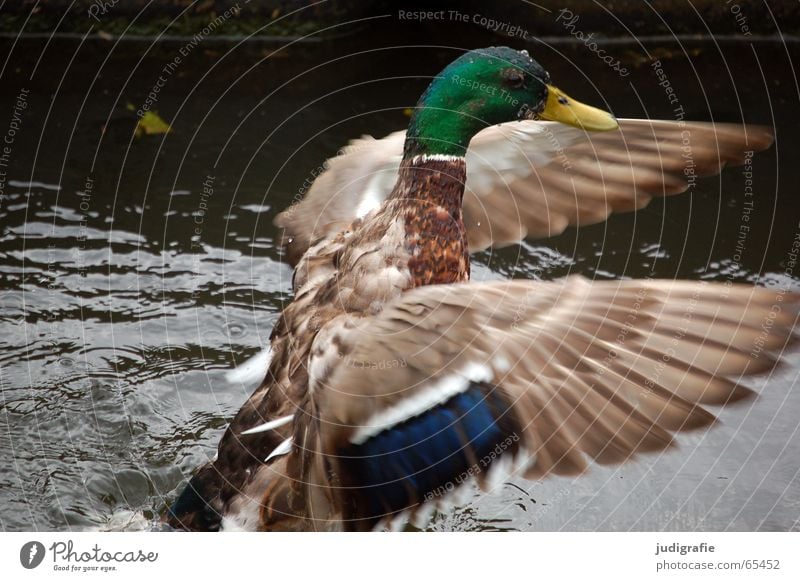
<point x="565" y="109"/>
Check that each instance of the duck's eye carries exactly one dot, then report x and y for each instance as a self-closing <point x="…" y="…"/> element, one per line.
<point x="514" y="78"/>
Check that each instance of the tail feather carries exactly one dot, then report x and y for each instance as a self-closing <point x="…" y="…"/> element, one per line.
<point x="196" y="508"/>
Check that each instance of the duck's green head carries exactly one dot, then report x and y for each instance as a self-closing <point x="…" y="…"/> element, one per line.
<point x="486" y="87"/>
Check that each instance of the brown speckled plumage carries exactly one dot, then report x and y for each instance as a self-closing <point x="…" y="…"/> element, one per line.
<point x="434" y="226"/>
<point x="417" y="238"/>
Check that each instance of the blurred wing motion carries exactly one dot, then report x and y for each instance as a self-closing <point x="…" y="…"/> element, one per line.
<point x="454" y="382"/>
<point x="529" y="178"/>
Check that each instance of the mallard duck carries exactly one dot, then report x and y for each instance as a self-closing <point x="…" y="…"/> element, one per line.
<point x="392" y="379"/>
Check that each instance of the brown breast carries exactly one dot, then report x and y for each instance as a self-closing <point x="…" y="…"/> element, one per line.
<point x="429" y="193"/>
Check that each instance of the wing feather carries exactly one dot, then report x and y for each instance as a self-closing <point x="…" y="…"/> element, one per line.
<point x="589" y="370"/>
<point x="530" y="178"/>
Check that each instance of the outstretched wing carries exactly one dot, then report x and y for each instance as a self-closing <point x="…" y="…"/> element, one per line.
<point x="529" y="178"/>
<point x="452" y="381"/>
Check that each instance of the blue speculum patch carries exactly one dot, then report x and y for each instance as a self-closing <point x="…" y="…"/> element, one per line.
<point x="430" y="454"/>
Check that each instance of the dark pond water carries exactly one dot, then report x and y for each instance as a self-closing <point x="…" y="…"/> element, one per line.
<point x="126" y="292"/>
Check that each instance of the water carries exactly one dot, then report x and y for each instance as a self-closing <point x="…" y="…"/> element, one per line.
<point x="135" y="271"/>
